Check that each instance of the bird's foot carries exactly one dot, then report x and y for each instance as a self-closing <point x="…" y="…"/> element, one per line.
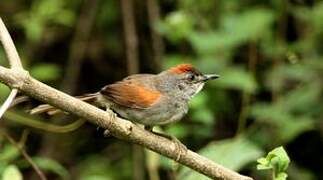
<point x="179" y="146"/>
<point x="106" y="132"/>
<point x="113" y="114"/>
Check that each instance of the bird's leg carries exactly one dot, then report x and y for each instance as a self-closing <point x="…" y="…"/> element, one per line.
<point x="106" y="132"/>
<point x="180" y="147"/>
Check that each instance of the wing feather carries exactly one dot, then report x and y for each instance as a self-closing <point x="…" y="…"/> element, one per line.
<point x="130" y="93"/>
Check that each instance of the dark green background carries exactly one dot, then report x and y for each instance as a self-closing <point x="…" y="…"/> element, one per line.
<point x="268" y="53"/>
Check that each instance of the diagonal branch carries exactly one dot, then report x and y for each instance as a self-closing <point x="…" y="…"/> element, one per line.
<point x="14" y="62"/>
<point x="9" y="47"/>
<point x="120" y="128"/>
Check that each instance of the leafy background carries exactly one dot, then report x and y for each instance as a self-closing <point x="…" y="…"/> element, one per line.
<point x="269" y="55"/>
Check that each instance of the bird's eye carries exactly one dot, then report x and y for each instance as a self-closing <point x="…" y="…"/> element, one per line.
<point x="191" y="77"/>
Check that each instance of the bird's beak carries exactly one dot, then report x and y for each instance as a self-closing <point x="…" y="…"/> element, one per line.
<point x="210" y="77"/>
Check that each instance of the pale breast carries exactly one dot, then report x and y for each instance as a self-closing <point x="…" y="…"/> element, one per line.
<point x="159" y="114"/>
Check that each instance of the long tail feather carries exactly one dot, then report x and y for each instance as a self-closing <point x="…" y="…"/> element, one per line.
<point x="51" y="110"/>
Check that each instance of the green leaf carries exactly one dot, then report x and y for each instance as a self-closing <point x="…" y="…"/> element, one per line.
<point x="249" y="25"/>
<point x="235" y="30"/>
<point x="11" y="173"/>
<point x="42" y="13"/>
<point x="231" y="153"/>
<point x="8" y="153"/>
<point x="277" y="160"/>
<point x="277" y="78"/>
<point x="288" y="126"/>
<point x="302" y="99"/>
<point x="283" y="159"/>
<point x="45" y="72"/>
<point x="52" y="166"/>
<point x="176" y="26"/>
<point x="237" y="78"/>
<point x="211" y="42"/>
<point x="281" y="176"/>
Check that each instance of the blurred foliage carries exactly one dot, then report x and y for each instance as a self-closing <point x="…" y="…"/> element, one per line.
<point x="45" y="72"/>
<point x="231" y="153"/>
<point x="269" y="55"/>
<point x="42" y="13"/>
<point x="278" y="161"/>
<point x="11" y="173"/>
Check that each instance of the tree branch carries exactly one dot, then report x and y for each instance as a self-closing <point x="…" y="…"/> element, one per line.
<point x="9" y="47"/>
<point x="14" y="62"/>
<point x="120" y="128"/>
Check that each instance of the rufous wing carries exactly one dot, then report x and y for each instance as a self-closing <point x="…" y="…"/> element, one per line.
<point x="131" y="94"/>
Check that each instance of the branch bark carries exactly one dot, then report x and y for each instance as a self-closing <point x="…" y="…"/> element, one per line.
<point x="118" y="127"/>
<point x="14" y="62"/>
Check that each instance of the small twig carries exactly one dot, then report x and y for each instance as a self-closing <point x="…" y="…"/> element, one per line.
<point x="8" y="102"/>
<point x="19" y="100"/>
<point x="24" y="137"/>
<point x="26" y="156"/>
<point x="44" y="125"/>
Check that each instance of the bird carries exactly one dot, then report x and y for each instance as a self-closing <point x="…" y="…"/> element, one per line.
<point x="148" y="99"/>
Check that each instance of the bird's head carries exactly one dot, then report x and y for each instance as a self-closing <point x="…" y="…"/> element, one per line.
<point x="187" y="79"/>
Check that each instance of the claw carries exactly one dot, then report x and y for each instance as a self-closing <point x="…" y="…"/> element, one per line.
<point x="180" y="148"/>
<point x="106" y="133"/>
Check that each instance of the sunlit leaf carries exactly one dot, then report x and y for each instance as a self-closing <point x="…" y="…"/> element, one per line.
<point x="277" y="160"/>
<point x="11" y="173"/>
<point x="176" y="26"/>
<point x="231" y="153"/>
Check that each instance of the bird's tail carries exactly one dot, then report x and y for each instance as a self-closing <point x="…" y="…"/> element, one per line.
<point x="51" y="110"/>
